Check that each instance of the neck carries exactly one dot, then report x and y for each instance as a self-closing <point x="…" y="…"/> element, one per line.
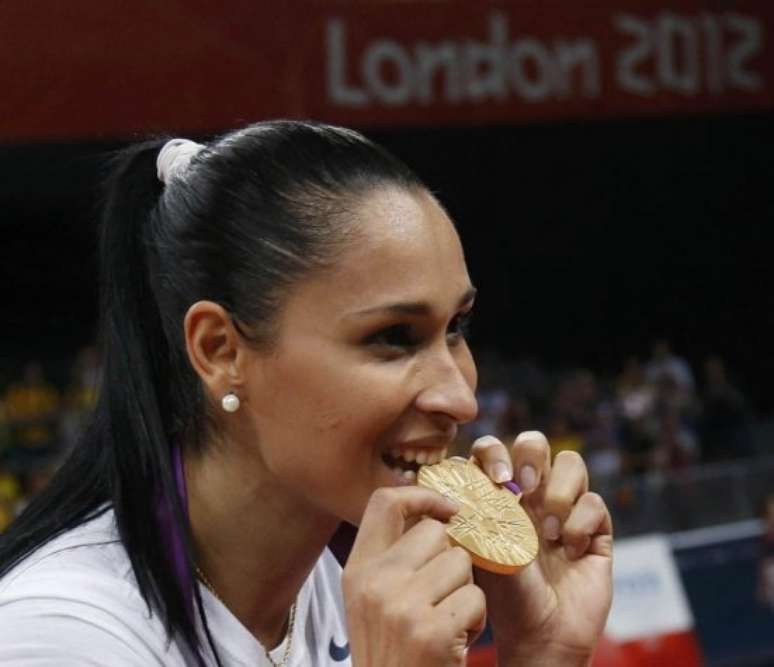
<point x="255" y="542"/>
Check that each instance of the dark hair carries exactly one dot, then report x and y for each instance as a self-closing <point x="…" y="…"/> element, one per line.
<point x="255" y="211"/>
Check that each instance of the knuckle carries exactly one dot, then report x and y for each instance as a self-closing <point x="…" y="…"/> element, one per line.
<point x="559" y="500"/>
<point x="477" y="596"/>
<point x="595" y="501"/>
<point x="572" y="533"/>
<point x="363" y="595"/>
<point x="371" y="593"/>
<point x="432" y="525"/>
<point x="436" y="530"/>
<point x="461" y="556"/>
<point x="383" y="497"/>
<point x="399" y="615"/>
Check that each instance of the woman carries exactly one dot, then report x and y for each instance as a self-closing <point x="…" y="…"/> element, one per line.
<point x="283" y="315"/>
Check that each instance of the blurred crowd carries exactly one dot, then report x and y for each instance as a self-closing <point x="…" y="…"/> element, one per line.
<point x="40" y="421"/>
<point x="655" y="415"/>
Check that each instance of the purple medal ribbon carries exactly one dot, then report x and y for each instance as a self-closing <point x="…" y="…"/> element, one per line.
<point x="171" y="533"/>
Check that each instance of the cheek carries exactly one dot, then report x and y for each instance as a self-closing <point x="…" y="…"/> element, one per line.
<point x="334" y="403"/>
<point x="358" y="410"/>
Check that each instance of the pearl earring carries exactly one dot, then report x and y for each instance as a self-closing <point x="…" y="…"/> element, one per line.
<point x="230" y="402"/>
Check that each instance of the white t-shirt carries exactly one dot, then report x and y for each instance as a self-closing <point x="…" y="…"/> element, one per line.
<point x="75" y="602"/>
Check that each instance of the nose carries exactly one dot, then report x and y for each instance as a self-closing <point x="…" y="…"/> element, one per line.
<point x="449" y="388"/>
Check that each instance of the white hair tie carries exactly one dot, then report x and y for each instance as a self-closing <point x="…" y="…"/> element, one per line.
<point x="174" y="157"/>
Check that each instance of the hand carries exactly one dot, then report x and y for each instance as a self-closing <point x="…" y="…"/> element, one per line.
<point x="552" y="612"/>
<point x="409" y="595"/>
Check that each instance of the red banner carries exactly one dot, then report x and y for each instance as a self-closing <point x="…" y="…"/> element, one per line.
<point x="83" y="69"/>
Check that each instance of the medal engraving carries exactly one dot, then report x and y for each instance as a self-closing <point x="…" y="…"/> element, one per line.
<point x="491" y="523"/>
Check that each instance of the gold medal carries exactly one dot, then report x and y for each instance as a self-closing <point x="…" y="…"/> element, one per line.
<point x="491" y="524"/>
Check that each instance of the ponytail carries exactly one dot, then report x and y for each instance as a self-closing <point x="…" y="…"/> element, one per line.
<point x="137" y="367"/>
<point x="126" y="456"/>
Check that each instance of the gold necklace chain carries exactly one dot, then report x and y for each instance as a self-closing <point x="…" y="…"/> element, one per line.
<point x="291" y="622"/>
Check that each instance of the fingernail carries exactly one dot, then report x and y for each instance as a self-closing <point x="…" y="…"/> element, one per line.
<point x="500" y="472"/>
<point x="528" y="478"/>
<point x="571" y="552"/>
<point x="551" y="527"/>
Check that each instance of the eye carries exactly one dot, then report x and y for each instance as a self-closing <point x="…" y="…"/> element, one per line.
<point x="396" y="336"/>
<point x="459" y="327"/>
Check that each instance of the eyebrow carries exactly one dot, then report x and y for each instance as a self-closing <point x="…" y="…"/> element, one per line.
<point x="414" y="307"/>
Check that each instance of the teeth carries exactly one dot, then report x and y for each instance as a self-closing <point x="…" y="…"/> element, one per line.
<point x="410" y="475"/>
<point x="437" y="456"/>
<point x="420" y="456"/>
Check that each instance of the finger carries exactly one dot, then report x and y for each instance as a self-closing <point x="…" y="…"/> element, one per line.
<point x="531" y="457"/>
<point x="419" y="544"/>
<point x="589" y="528"/>
<point x="493" y="457"/>
<point x="443" y="575"/>
<point x="567" y="482"/>
<point x="386" y="514"/>
<point x="464" y="610"/>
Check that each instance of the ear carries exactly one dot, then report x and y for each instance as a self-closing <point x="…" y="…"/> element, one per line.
<point x="215" y="349"/>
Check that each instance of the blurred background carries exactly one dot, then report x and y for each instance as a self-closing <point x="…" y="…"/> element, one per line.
<point x="610" y="170"/>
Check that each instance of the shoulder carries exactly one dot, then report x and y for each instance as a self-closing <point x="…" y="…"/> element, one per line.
<point x="76" y="599"/>
<point x="91" y="551"/>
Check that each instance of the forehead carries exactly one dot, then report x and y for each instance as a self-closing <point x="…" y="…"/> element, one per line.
<point x="405" y="249"/>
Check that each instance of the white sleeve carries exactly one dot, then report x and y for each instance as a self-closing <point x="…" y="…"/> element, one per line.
<point x="78" y="622"/>
<point x="41" y="632"/>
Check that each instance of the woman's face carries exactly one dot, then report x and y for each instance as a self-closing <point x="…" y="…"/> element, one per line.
<point x="371" y="367"/>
